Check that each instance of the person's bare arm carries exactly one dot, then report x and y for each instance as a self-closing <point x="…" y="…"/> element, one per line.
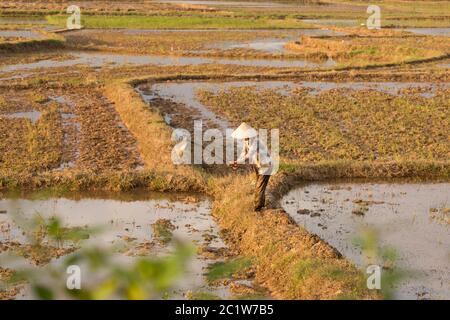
<point x="241" y="159"/>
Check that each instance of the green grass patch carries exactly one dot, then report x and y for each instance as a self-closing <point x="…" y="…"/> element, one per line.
<point x="181" y="22"/>
<point x="163" y="230"/>
<point x="202" y="296"/>
<point x="329" y="272"/>
<point x="305" y="268"/>
<point x="224" y="270"/>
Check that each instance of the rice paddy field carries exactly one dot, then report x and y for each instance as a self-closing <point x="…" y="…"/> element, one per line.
<point x="87" y="178"/>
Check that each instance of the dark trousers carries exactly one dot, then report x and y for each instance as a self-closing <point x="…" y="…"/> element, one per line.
<point x="260" y="190"/>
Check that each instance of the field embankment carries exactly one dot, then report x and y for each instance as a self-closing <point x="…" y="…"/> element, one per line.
<point x="48" y="41"/>
<point x="153" y="136"/>
<point x="289" y="261"/>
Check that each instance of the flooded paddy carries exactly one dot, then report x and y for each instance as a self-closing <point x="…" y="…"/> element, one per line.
<point x="99" y="60"/>
<point x="27" y="34"/>
<point x="127" y="222"/>
<point x="274" y="45"/>
<point x="430" y="31"/>
<point x="261" y="48"/>
<point x="298" y="48"/>
<point x="411" y="218"/>
<point x="72" y="124"/>
<point x="316" y="114"/>
<point x="47" y="129"/>
<point x="33" y="116"/>
<point x="185" y="93"/>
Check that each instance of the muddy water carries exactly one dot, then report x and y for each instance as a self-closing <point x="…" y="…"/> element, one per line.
<point x="266" y="45"/>
<point x="127" y="217"/>
<point x="28" y="34"/>
<point x="33" y="116"/>
<point x="98" y="60"/>
<point x="402" y="214"/>
<point x="272" y="42"/>
<point x="430" y="31"/>
<point x="185" y="92"/>
<point x="275" y="44"/>
<point x="94" y="60"/>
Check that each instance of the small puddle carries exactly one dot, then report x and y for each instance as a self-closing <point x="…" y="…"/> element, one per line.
<point x="411" y="218"/>
<point x="28" y="34"/>
<point x="129" y="216"/>
<point x="430" y="31"/>
<point x="95" y="60"/>
<point x="274" y="45"/>
<point x="267" y="45"/>
<point x="332" y="22"/>
<point x="33" y="116"/>
<point x="184" y="93"/>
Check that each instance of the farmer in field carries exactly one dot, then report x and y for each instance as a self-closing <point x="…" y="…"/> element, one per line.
<point x="257" y="155"/>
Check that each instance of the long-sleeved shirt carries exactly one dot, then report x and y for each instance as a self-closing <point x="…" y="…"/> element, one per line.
<point x="256" y="152"/>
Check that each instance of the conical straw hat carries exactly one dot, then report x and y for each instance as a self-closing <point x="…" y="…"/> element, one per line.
<point x="244" y="131"/>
